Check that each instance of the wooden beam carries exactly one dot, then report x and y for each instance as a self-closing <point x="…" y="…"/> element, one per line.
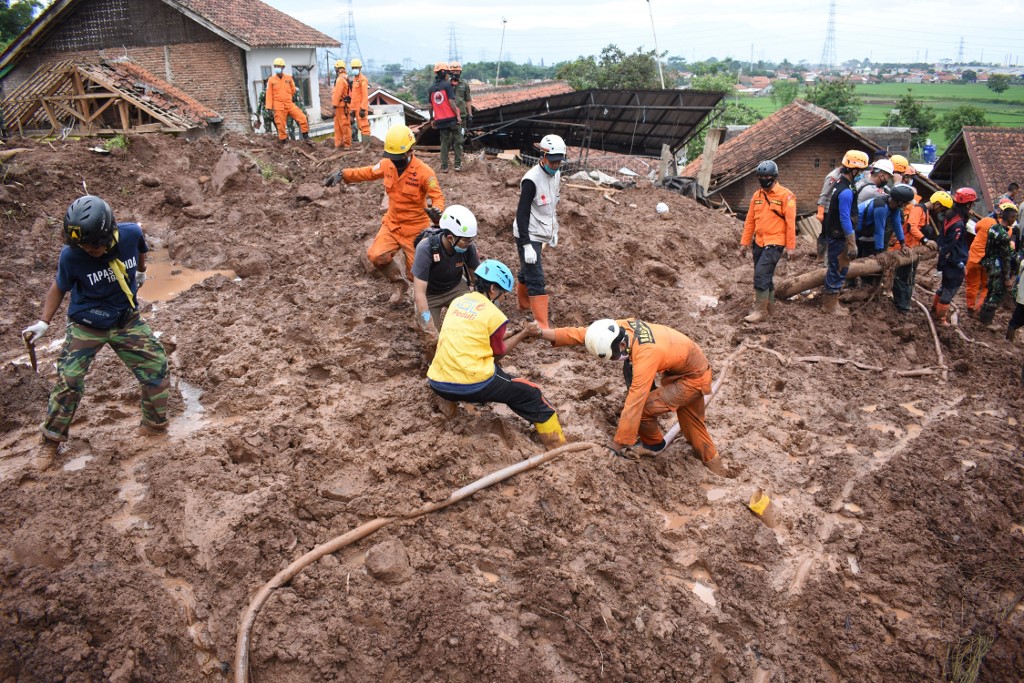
<point x="122" y="109"/>
<point x="707" y="162"/>
<point x="49" y="115"/>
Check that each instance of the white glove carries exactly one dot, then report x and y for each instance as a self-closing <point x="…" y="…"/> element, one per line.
<point x="971" y="225"/>
<point x="529" y="255"/>
<point x="554" y="235"/>
<point x="140" y="279"/>
<point x="34" y="333"/>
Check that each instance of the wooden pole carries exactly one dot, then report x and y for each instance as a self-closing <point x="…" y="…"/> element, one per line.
<point x="858" y="268"/>
<point x="707" y="160"/>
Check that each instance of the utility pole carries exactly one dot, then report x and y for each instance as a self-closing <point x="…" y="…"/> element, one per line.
<point x="497" y="73"/>
<point x="657" y="55"/>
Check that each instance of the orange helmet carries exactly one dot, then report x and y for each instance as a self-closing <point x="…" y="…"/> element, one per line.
<point x="899" y="163"/>
<point x="855" y="159"/>
<point x="440" y="66"/>
<point x="454" y="66"/>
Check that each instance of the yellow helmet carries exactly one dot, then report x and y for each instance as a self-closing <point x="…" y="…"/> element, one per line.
<point x="278" y="62"/>
<point x="357" y="63"/>
<point x="454" y="66"/>
<point x="398" y="140"/>
<point x="1007" y="205"/>
<point x="900" y="164"/>
<point x="340" y="64"/>
<point x="943" y="198"/>
<point x="855" y="159"/>
<point x="441" y="66"/>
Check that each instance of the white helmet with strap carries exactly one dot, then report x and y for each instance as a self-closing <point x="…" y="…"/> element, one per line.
<point x="459" y="221"/>
<point x="553" y="146"/>
<point x="603" y="339"/>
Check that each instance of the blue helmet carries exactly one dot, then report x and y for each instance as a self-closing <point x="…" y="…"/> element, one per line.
<point x="495" y="272"/>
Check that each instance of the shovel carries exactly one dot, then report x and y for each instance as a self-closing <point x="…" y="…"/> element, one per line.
<point x="31" y="346"/>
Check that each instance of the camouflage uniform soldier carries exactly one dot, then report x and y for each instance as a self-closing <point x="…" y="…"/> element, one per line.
<point x="103" y="265"/>
<point x="998" y="262"/>
<point x="262" y="111"/>
<point x="293" y="125"/>
<point x="464" y="103"/>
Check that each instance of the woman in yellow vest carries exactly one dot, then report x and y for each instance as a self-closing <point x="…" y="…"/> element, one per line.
<point x="472" y="339"/>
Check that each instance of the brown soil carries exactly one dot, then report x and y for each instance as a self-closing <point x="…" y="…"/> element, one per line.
<point x="125" y="558"/>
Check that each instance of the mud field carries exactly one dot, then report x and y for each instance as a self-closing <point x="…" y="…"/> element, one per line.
<point x="300" y="411"/>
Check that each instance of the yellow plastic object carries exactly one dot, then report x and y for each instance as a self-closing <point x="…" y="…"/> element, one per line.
<point x="759" y="502"/>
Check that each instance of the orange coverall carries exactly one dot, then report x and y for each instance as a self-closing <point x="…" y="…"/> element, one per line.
<point x="976" y="277"/>
<point x="771" y="219"/>
<point x="280" y="90"/>
<point x="917" y="218"/>
<point x="686" y="379"/>
<point x="407" y="201"/>
<point x="361" y="102"/>
<point x="342" y="124"/>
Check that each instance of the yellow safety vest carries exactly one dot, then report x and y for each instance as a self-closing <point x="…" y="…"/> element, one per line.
<point x="464" y="354"/>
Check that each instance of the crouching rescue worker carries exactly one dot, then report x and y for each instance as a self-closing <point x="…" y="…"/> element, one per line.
<point x="771" y="226"/>
<point x="647" y="350"/>
<point x="954" y="246"/>
<point x="445" y="257"/>
<point x="102" y="266"/>
<point x="472" y="341"/>
<point x="840" y="231"/>
<point x="409" y="183"/>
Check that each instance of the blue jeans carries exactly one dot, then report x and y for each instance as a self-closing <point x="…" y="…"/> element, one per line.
<point x="835" y="276"/>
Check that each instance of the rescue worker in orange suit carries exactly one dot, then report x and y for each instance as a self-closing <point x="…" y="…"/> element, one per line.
<point x="771" y="226"/>
<point x="647" y="350"/>
<point x="953" y="252"/>
<point x="360" y="97"/>
<point x="976" y="275"/>
<point x="280" y="91"/>
<point x="409" y="183"/>
<point x="920" y="227"/>
<point x="341" y="100"/>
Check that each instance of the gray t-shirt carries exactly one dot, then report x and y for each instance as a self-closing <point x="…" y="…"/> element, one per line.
<point x="443" y="274"/>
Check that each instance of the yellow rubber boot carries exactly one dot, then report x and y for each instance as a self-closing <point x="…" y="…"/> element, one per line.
<point x="550" y="432"/>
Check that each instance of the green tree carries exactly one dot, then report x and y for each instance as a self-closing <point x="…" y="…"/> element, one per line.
<point x="615" y="70"/>
<point x="784" y="91"/>
<point x="964" y="115"/>
<point x="998" y="82"/>
<point x="15" y="18"/>
<point x="839" y="97"/>
<point x="715" y="82"/>
<point x="969" y="76"/>
<point x="913" y="114"/>
<point x="733" y="114"/>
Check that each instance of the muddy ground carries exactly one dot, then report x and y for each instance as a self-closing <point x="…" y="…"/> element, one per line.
<point x="300" y="411"/>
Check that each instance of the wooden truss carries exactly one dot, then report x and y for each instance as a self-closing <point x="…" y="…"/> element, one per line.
<point x="97" y="98"/>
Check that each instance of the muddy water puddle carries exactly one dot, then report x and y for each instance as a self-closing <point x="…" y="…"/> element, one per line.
<point x="76" y="464"/>
<point x="165" y="278"/>
<point x="193" y="419"/>
<point x="674" y="520"/>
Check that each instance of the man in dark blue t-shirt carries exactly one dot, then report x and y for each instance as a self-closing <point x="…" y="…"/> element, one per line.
<point x="102" y="266"/>
<point x="442" y="265"/>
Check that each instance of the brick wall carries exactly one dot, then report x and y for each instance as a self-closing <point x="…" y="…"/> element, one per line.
<point x="802" y="170"/>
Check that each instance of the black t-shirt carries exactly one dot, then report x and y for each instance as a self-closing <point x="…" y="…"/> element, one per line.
<point x="444" y="274"/>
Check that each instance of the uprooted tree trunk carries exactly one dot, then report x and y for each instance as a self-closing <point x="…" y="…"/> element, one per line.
<point x="858" y="268"/>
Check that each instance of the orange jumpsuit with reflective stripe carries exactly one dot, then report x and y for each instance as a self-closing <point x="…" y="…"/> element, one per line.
<point x="686" y="379"/>
<point x="342" y="124"/>
<point x="976" y="277"/>
<point x="361" y="102"/>
<point x="407" y="201"/>
<point x="771" y="218"/>
<point x="280" y="90"/>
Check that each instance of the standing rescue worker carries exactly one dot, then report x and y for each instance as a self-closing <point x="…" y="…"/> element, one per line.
<point x="827" y="186"/>
<point x="953" y="252"/>
<point x="921" y="228"/>
<point x="280" y="91"/>
<point x="444" y="116"/>
<point x="102" y="265"/>
<point x="441" y="267"/>
<point x="840" y="231"/>
<point x="876" y="182"/>
<point x="341" y="99"/>
<point x="975" y="275"/>
<point x="998" y="261"/>
<point x="408" y="183"/>
<point x="464" y="103"/>
<point x="360" y="93"/>
<point x="647" y="350"/>
<point x="472" y="341"/>
<point x="536" y="225"/>
<point x="771" y="226"/>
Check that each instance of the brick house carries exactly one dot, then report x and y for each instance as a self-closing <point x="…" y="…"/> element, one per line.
<point x="806" y="142"/>
<point x="216" y="51"/>
<point x="987" y="159"/>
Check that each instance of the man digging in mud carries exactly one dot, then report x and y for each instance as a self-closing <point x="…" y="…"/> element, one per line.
<point x="101" y="267"/>
<point x="408" y="183"/>
<point x="646" y="350"/>
<point x="472" y="342"/>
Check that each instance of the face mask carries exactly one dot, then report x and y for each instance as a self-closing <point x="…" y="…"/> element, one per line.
<point x="548" y="169"/>
<point x="766" y="183"/>
<point x="356" y="71"/>
<point x="460" y="250"/>
<point x="279" y="70"/>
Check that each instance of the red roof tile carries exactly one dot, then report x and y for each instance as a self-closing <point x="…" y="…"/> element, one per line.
<point x="490" y="97"/>
<point x="997" y="155"/>
<point x="159" y="92"/>
<point x="256" y="24"/>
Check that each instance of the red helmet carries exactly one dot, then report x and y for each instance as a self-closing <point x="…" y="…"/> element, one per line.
<point x="965" y="195"/>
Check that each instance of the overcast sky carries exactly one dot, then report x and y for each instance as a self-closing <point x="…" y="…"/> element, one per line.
<point x="389" y="32"/>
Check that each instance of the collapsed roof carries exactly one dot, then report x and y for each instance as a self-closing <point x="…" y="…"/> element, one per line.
<point x="996" y="155"/>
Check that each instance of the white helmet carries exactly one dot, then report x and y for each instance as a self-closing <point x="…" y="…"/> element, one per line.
<point x="459" y="221"/>
<point x="603" y="339"/>
<point x="884" y="165"/>
<point x="553" y="146"/>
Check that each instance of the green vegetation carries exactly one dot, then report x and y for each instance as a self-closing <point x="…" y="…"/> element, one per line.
<point x="116" y="142"/>
<point x="839" y="97"/>
<point x="15" y="17"/>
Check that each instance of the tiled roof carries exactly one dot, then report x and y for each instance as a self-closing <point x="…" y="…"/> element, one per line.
<point x="255" y="23"/>
<point x="769" y="138"/>
<point x="490" y="97"/>
<point x="998" y="158"/>
<point x="129" y="76"/>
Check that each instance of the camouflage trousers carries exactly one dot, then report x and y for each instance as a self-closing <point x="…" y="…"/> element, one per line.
<point x="135" y="345"/>
<point x="996" y="289"/>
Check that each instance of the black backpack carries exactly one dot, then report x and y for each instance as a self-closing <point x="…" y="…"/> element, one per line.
<point x="433" y="233"/>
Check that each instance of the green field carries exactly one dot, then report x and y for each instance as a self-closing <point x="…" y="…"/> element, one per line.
<point x="1002" y="109"/>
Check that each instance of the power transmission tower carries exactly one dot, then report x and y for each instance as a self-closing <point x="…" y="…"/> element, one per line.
<point x="828" y="53"/>
<point x="348" y="36"/>
<point x="960" y="52"/>
<point x="453" y="44"/>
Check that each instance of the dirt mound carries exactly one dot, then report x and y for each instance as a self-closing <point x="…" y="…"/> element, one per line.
<point x="300" y="412"/>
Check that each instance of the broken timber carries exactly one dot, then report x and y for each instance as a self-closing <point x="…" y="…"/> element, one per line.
<point x="858" y="268"/>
